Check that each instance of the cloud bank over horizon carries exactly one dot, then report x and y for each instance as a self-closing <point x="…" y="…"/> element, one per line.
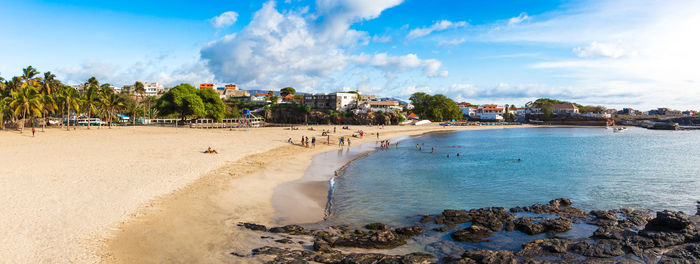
<point x="616" y="53"/>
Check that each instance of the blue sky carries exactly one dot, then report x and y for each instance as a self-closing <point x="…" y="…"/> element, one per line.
<point x="641" y="54"/>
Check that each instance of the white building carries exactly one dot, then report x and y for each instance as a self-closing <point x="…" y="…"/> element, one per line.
<point x="335" y="101"/>
<point x="376" y="106"/>
<point x="153" y="89"/>
<point x="490" y="112"/>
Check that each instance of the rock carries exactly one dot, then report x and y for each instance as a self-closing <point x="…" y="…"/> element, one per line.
<point x="560" y="202"/>
<point x="490" y="256"/>
<point x="559" y="225"/>
<point x="254" y="227"/>
<point x="375" y="239"/>
<point x="290" y="229"/>
<point x="427" y="218"/>
<point x="409" y="231"/>
<point x="284" y="241"/>
<point x="473" y="234"/>
<point x="493" y="218"/>
<point x="450" y="216"/>
<point x="445" y="227"/>
<point x="528" y="226"/>
<point x="413" y="258"/>
<point x="663" y="239"/>
<point x="668" y="220"/>
<point x="376" y="226"/>
<point x="604" y="248"/>
<point x="284" y="255"/>
<point x="538" y="247"/>
<point x="329" y="257"/>
<point x="688" y="253"/>
<point x="322" y="246"/>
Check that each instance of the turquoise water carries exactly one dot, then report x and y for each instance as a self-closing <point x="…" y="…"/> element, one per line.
<point x="596" y="168"/>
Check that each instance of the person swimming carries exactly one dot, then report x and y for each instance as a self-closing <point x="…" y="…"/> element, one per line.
<point x="457" y="154"/>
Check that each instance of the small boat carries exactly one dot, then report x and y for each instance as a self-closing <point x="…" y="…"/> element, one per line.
<point x="619" y="129"/>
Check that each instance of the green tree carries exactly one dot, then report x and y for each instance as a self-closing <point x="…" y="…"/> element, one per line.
<point x="49" y="83"/>
<point x="4" y="109"/>
<point x="69" y="100"/>
<point x="214" y="108"/>
<point x="437" y="107"/>
<point x="26" y="100"/>
<point x="90" y="101"/>
<point x="49" y="107"/>
<point x="29" y="76"/>
<point x="287" y="90"/>
<point x="139" y="88"/>
<point x="111" y="103"/>
<point x="181" y="100"/>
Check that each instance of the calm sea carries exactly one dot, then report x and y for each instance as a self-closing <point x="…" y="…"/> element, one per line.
<point x="596" y="168"/>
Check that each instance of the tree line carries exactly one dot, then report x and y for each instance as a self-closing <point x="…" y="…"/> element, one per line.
<point x="34" y="96"/>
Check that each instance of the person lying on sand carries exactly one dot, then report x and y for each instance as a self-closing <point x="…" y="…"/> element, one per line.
<point x="210" y="151"/>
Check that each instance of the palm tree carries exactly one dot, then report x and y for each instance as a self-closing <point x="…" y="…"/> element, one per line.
<point x="4" y="109"/>
<point x="69" y="99"/>
<point x="28" y="76"/>
<point x="149" y="100"/>
<point x="27" y="100"/>
<point x="139" y="89"/>
<point x="48" y="84"/>
<point x="50" y="107"/>
<point x="90" y="102"/>
<point x="132" y="108"/>
<point x="111" y="103"/>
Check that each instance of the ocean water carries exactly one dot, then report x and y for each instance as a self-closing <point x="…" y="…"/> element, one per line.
<point x="596" y="168"/>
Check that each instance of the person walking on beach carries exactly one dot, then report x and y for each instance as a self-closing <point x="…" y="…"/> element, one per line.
<point x="307" y="142"/>
<point x="333" y="130"/>
<point x="302" y="140"/>
<point x="313" y="142"/>
<point x="377" y="134"/>
<point x="348" y="142"/>
<point x="33" y="130"/>
<point x="329" y="139"/>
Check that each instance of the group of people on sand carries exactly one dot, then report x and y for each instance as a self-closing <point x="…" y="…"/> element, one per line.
<point x="305" y="141"/>
<point x="342" y="140"/>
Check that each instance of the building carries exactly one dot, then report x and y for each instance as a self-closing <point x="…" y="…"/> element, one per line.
<point x="565" y="109"/>
<point x="206" y="86"/>
<point x="153" y="89"/>
<point x="490" y="112"/>
<point x="231" y="91"/>
<point x="335" y="101"/>
<point x="376" y="106"/>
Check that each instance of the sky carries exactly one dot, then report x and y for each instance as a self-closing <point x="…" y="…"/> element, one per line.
<point x="640" y="54"/>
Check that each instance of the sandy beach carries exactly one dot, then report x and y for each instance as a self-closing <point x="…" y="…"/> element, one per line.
<point x="148" y="194"/>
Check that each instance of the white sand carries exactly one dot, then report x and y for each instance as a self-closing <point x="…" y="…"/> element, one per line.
<point x="69" y="194"/>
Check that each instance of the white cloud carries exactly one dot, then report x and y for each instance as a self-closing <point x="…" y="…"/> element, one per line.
<point x="438" y="26"/>
<point x="224" y="20"/>
<point x="597" y="49"/>
<point x="451" y="42"/>
<point x="294" y="48"/>
<point x="645" y="50"/>
<point x="517" y="20"/>
<point x="381" y="39"/>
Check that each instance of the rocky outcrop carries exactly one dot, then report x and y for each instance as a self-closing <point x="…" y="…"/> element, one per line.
<point x="290" y="229"/>
<point x="539" y="225"/>
<point x="293" y="256"/>
<point x="254" y="227"/>
<point x="622" y="236"/>
<point x="474" y="233"/>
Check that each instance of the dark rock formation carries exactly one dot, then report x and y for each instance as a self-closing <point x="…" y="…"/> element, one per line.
<point x="375" y="239"/>
<point x="445" y="228"/>
<point x="668" y="220"/>
<point x="285" y="255"/>
<point x="409" y="231"/>
<point x="603" y="248"/>
<point x="473" y="234"/>
<point x="558" y="207"/>
<point x="290" y="229"/>
<point x="254" y="227"/>
<point x="689" y="253"/>
<point x="376" y="226"/>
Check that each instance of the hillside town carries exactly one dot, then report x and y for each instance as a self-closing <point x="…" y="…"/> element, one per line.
<point x="36" y="100"/>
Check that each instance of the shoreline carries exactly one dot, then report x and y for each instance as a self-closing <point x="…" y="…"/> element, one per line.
<point x="194" y="223"/>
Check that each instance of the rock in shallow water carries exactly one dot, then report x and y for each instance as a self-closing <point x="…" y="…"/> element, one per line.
<point x="290" y="229"/>
<point x="474" y="234"/>
<point x="254" y="227"/>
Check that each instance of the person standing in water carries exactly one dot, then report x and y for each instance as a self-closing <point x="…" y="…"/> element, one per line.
<point x="348" y="142"/>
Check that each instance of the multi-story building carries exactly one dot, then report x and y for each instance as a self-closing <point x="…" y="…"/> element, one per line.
<point x="206" y="86"/>
<point x="153" y="89"/>
<point x="565" y="109"/>
<point x="335" y="101"/>
<point x="376" y="106"/>
<point x="490" y="112"/>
